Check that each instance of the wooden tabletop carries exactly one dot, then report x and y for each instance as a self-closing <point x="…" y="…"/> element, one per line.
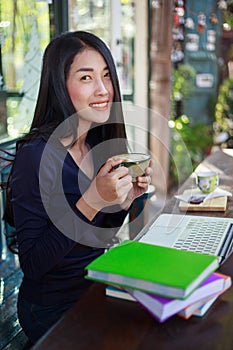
<point x="221" y="162"/>
<point x="100" y="322"/>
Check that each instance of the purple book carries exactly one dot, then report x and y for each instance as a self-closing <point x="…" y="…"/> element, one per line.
<point x="163" y="308"/>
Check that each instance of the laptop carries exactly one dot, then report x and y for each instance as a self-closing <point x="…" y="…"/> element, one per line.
<point x="203" y="234"/>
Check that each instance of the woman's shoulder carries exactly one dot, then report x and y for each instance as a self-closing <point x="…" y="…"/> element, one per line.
<point x="32" y="144"/>
<point x="38" y="155"/>
<point x="37" y="146"/>
<point x="28" y="155"/>
<point x="32" y="149"/>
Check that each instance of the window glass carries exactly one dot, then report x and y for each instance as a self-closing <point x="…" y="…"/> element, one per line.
<point x="24" y="33"/>
<point x="97" y="16"/>
<point x="128" y="33"/>
<point x="92" y="16"/>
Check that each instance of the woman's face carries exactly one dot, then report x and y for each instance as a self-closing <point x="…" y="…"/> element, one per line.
<point x="90" y="87"/>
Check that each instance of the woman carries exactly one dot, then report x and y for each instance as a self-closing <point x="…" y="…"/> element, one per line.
<point x="68" y="199"/>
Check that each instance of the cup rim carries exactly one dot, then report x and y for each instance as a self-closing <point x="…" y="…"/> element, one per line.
<point x="138" y="161"/>
<point x="206" y="174"/>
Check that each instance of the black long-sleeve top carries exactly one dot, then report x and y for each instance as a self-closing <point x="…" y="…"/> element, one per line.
<point x="56" y="241"/>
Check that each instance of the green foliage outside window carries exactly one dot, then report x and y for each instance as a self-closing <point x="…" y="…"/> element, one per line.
<point x="25" y="31"/>
<point x="183" y="80"/>
<point x="189" y="145"/>
<point x="190" y="142"/>
<point x="223" y="126"/>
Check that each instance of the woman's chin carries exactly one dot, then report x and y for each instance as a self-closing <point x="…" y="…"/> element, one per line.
<point x="95" y="116"/>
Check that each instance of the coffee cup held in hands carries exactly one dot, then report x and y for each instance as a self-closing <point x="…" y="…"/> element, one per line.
<point x="135" y="162"/>
<point x="207" y="181"/>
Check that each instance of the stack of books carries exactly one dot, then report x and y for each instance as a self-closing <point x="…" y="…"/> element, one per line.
<point x="165" y="281"/>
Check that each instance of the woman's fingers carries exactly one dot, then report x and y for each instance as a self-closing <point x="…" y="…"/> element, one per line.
<point x="108" y="166"/>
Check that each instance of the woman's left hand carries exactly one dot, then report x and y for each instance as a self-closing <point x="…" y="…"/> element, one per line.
<point x="139" y="187"/>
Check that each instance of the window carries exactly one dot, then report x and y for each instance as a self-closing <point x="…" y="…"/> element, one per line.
<point x="92" y="16"/>
<point x="114" y="22"/>
<point x="25" y="30"/>
<point x="24" y="33"/>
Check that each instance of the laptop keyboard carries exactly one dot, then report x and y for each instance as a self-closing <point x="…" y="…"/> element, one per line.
<point x="202" y="236"/>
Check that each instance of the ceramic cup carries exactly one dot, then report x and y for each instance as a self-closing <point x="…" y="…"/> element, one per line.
<point x="207" y="181"/>
<point x="135" y="162"/>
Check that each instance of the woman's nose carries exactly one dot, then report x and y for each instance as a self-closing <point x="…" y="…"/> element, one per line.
<point x="101" y="88"/>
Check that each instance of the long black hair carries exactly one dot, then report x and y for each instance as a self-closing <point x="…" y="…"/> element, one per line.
<point x="54" y="105"/>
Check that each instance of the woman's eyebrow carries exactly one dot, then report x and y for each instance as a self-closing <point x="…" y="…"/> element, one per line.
<point x="89" y="69"/>
<point x="85" y="69"/>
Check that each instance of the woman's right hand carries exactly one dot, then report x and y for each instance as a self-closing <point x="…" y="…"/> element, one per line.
<point x="110" y="187"/>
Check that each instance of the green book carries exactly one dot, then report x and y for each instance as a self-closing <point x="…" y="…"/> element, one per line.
<point x="155" y="269"/>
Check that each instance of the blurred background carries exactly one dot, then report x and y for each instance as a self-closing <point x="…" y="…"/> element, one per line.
<point x="174" y="60"/>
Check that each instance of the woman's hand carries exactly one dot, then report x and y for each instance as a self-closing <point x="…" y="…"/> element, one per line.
<point x="110" y="187"/>
<point x="139" y="187"/>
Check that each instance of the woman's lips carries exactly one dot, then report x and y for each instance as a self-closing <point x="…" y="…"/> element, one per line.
<point x="99" y="104"/>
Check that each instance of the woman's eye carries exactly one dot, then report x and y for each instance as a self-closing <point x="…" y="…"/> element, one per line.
<point x="86" y="77"/>
<point x="107" y="75"/>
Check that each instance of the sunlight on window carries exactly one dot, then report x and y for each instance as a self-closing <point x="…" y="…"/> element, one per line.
<point x="24" y="33"/>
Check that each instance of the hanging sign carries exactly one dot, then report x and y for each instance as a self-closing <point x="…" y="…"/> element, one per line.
<point x="205" y="80"/>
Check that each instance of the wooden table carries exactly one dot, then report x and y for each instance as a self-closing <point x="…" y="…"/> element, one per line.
<point x="100" y="322"/>
<point x="220" y="161"/>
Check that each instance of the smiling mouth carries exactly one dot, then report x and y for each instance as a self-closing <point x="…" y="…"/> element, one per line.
<point x="99" y="105"/>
